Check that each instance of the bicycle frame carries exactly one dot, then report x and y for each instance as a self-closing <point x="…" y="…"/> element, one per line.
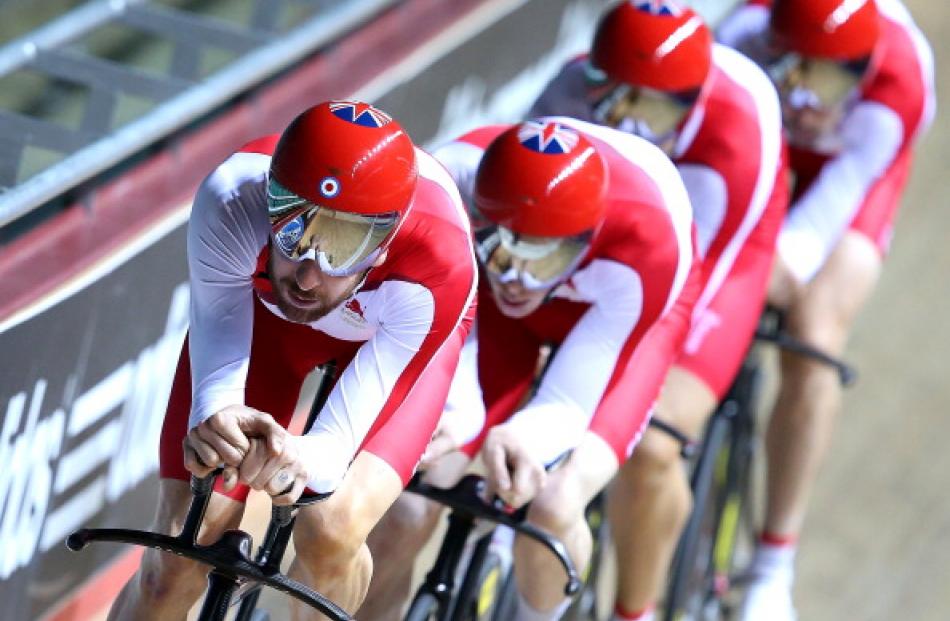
<point x="723" y="470"/>
<point x="229" y="556"/>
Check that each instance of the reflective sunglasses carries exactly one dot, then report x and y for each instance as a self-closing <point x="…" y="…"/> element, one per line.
<point x="341" y="243"/>
<point x="648" y="113"/>
<point x="536" y="262"/>
<point x="816" y="82"/>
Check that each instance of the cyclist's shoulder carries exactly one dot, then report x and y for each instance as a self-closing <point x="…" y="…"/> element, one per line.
<point x="433" y="245"/>
<point x="741" y="86"/>
<point x="904" y="73"/>
<point x="635" y="228"/>
<point x="234" y="196"/>
<point x="436" y="202"/>
<point x="242" y="172"/>
<point x="740" y="127"/>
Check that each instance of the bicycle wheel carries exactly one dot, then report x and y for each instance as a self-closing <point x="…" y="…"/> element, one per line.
<point x="425" y="607"/>
<point x="691" y="593"/>
<point x="736" y="534"/>
<point x="480" y="594"/>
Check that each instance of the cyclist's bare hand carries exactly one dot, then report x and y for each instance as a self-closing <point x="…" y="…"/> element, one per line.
<point x="218" y="441"/>
<point x="513" y="473"/>
<point x="273" y="463"/>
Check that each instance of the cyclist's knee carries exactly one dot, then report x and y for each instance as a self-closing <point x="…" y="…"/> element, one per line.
<point x="824" y="313"/>
<point x="654" y="461"/>
<point x="557" y="508"/>
<point x="325" y="539"/>
<point x="406" y="526"/>
<point x="163" y="576"/>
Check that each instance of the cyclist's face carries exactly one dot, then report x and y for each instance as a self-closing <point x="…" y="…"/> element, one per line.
<point x="304" y="293"/>
<point x="807" y="126"/>
<point x="650" y="114"/>
<point x="815" y="93"/>
<point x="514" y="300"/>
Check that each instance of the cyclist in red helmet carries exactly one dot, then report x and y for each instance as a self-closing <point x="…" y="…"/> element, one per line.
<point x="343" y="242"/>
<point x="653" y="70"/>
<point x="583" y="234"/>
<point x="855" y="78"/>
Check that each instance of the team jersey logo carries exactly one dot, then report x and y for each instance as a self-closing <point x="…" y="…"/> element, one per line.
<point x="359" y="113"/>
<point x="354" y="306"/>
<point x="658" y="7"/>
<point x="551" y="138"/>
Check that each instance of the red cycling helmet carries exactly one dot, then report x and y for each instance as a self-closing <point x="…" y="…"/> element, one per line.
<point x="543" y="179"/>
<point x="347" y="156"/>
<point x="658" y="44"/>
<point x="834" y="29"/>
<point x="341" y="179"/>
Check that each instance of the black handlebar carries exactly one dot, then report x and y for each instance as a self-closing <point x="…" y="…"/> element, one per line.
<point x="229" y="556"/>
<point x="772" y="330"/>
<point x="467" y="496"/>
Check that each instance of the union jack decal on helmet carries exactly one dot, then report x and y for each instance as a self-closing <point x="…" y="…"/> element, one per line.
<point x="547" y="137"/>
<point x="359" y="113"/>
<point x="658" y="7"/>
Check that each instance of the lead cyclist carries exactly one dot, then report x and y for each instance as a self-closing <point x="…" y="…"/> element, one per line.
<point x="584" y="238"/>
<point x="338" y="240"/>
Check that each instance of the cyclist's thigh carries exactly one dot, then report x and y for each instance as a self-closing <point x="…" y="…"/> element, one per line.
<point x="725" y="319"/>
<point x="413" y="515"/>
<point x="824" y="314"/>
<point x="342" y="522"/>
<point x="686" y="401"/>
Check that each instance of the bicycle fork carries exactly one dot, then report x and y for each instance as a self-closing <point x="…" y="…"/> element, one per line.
<point x="440" y="580"/>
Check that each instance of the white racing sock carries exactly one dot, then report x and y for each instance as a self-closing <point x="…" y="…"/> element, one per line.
<point x="774" y="562"/>
<point x="525" y="612"/>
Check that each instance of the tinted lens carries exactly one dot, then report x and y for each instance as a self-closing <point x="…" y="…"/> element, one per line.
<point x="651" y="114"/>
<point x="341" y="242"/>
<point x="816" y="83"/>
<point x="538" y="262"/>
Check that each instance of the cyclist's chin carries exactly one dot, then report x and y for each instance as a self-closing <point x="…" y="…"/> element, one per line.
<point x="521" y="306"/>
<point x="299" y="309"/>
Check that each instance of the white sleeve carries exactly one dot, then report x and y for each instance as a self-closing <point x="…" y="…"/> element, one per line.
<point x="461" y="159"/>
<point x="565" y="95"/>
<point x="361" y="394"/>
<point x="465" y="408"/>
<point x="555" y="420"/>
<point x="709" y="197"/>
<point x="872" y="135"/>
<point x="746" y="30"/>
<point x="227" y="229"/>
